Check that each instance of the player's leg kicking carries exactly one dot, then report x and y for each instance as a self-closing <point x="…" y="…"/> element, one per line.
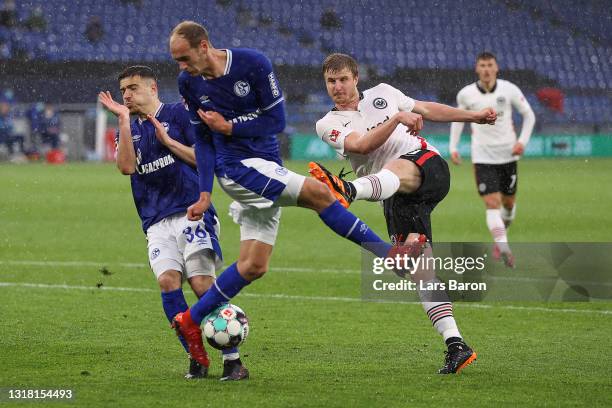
<point x="411" y="187"/>
<point x="259" y="189"/>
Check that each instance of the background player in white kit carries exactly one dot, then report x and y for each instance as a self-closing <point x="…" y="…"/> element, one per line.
<point x="495" y="149"/>
<point x="377" y="130"/>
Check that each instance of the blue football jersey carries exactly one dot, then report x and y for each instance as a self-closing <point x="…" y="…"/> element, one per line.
<point x="163" y="184"/>
<point x="247" y="94"/>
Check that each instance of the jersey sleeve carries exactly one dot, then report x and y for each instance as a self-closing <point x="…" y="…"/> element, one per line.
<point x="333" y="133"/>
<point x="518" y="100"/>
<point x="404" y="102"/>
<point x="204" y="147"/>
<point x="271" y="116"/>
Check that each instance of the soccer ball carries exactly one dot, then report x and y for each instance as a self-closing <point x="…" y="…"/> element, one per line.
<point x="226" y="327"/>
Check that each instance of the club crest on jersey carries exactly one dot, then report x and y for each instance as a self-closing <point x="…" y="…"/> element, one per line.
<point x="281" y="171"/>
<point x="501" y="100"/>
<point x="242" y="88"/>
<point x="379" y="103"/>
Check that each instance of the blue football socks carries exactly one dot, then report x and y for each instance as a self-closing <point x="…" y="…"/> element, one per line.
<point x="347" y="225"/>
<point x="228" y="285"/>
<point x="174" y="302"/>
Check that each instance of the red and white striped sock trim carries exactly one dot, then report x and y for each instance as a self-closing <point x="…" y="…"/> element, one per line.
<point x="440" y="311"/>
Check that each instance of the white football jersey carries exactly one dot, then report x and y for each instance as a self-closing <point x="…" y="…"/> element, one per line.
<point x="376" y="106"/>
<point x="492" y="144"/>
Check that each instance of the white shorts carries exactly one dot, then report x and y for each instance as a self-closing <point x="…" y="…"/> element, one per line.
<point x="175" y="243"/>
<point x="259" y="188"/>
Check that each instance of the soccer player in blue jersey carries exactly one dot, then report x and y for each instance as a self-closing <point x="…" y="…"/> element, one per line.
<point x="156" y="150"/>
<point x="236" y="105"/>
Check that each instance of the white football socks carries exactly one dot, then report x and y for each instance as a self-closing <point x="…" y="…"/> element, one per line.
<point x="498" y="229"/>
<point x="441" y="316"/>
<point x="376" y="187"/>
<point x="439" y="313"/>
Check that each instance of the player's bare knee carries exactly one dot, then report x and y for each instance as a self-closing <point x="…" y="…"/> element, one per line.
<point x="508" y="202"/>
<point x="492" y="201"/>
<point x="315" y="195"/>
<point x="169" y="281"/>
<point x="251" y="269"/>
<point x="200" y="284"/>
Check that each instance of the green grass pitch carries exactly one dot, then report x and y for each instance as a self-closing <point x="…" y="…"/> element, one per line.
<point x="312" y="342"/>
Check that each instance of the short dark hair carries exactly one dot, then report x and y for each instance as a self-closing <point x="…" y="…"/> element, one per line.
<point x="337" y="62"/>
<point x="191" y="31"/>
<point x="486" y="55"/>
<point x="137" y="70"/>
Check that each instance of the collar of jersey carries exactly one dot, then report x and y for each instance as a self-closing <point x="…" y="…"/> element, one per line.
<point x="484" y="91"/>
<point x="228" y="64"/>
<point x="161" y="105"/>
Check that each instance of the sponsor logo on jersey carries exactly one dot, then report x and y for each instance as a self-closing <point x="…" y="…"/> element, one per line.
<point x="378" y="124"/>
<point x="246" y="118"/>
<point x="273" y="85"/>
<point x="155" y="165"/>
<point x="242" y="88"/>
<point x="281" y="171"/>
<point x="333" y="136"/>
<point x="379" y="103"/>
<point x="154" y="253"/>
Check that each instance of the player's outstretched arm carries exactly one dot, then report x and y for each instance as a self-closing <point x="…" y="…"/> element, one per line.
<point x="185" y="153"/>
<point x="437" y="112"/>
<point x="126" y="156"/>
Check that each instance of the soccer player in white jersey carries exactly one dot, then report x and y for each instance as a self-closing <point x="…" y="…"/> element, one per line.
<point x="495" y="149"/>
<point x="377" y="131"/>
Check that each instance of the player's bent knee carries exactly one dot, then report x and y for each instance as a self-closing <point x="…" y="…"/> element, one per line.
<point x="169" y="281"/>
<point x="252" y="270"/>
<point x="315" y="195"/>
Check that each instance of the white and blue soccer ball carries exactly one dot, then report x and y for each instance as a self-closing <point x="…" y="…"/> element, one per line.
<point x="226" y="327"/>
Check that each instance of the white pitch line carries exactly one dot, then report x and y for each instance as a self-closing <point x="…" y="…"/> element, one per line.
<point x="143" y="265"/>
<point x="301" y="297"/>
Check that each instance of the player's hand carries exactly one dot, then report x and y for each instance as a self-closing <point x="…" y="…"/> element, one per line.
<point x="413" y="121"/>
<point x="456" y="158"/>
<point x="197" y="210"/>
<point x="486" y="116"/>
<point x="216" y="122"/>
<point x="116" y="108"/>
<point x="518" y="149"/>
<point x="160" y="131"/>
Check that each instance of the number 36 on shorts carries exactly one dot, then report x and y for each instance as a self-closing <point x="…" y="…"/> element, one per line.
<point x="197" y="233"/>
